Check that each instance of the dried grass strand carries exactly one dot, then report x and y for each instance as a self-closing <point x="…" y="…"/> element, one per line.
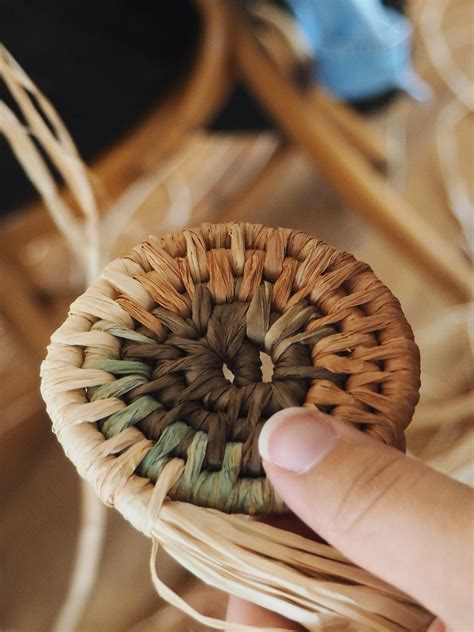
<point x="83" y="240"/>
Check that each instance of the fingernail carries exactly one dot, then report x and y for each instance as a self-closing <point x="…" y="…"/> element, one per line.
<point x="296" y="439"/>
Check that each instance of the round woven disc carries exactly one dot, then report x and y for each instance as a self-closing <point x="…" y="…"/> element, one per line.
<point x="186" y="346"/>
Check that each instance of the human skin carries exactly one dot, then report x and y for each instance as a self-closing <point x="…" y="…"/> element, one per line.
<point x="389" y="513"/>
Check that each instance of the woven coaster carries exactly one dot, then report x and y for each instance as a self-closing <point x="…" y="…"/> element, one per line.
<point x="187" y="345"/>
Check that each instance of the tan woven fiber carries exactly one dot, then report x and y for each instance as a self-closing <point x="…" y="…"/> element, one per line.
<point x="155" y="388"/>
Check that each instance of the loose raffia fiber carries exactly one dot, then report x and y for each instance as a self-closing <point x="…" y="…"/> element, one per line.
<point x="155" y="389"/>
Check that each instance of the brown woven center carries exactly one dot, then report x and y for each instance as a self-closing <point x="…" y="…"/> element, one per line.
<point x="182" y="325"/>
<point x="187" y="378"/>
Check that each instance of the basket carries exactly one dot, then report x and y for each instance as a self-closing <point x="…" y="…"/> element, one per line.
<point x="154" y="382"/>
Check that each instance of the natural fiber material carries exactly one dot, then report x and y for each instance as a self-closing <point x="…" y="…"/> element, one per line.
<point x="155" y="389"/>
<point x="177" y="313"/>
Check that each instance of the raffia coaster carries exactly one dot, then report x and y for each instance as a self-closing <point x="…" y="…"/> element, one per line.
<point x="155" y="388"/>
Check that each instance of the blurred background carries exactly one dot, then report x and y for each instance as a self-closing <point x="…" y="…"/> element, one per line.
<point x="349" y="119"/>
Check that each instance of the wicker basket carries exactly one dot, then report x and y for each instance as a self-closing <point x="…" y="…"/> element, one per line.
<point x="154" y="382"/>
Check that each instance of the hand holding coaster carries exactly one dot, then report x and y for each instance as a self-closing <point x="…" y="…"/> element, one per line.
<point x="155" y="387"/>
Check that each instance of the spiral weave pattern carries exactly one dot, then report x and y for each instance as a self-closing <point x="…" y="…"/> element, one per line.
<point x="173" y="339"/>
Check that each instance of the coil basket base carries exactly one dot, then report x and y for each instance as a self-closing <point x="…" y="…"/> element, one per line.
<point x="155" y="379"/>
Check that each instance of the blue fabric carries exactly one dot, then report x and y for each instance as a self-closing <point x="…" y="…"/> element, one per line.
<point x="361" y="48"/>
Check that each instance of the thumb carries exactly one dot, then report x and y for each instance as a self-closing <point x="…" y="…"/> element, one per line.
<point x="389" y="513"/>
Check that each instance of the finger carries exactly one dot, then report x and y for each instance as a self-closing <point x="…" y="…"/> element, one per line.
<point x="437" y="626"/>
<point x="241" y="611"/>
<point x="389" y="513"/>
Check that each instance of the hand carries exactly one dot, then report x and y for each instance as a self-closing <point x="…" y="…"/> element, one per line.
<point x="389" y="513"/>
